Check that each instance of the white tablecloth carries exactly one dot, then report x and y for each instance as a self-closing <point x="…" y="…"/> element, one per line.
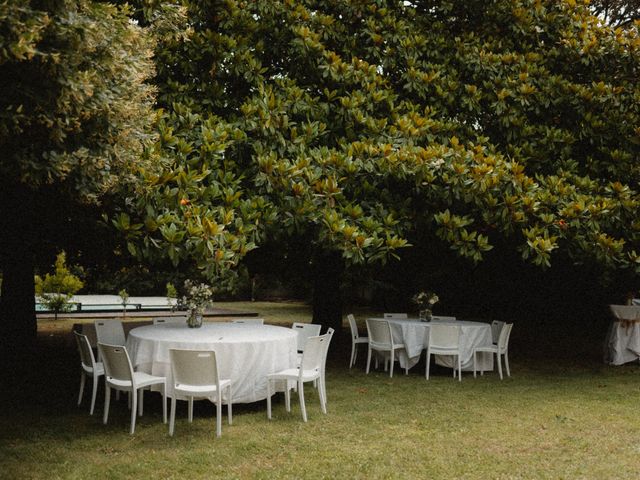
<point x="623" y="339"/>
<point x="246" y="353"/>
<point x="414" y="334"/>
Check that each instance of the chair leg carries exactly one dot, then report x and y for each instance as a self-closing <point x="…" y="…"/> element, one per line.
<point x="352" y="361"/>
<point x="303" y="407"/>
<point x="82" y="381"/>
<point x="172" y="417"/>
<point x="164" y="403"/>
<point x="499" y="365"/>
<point x="369" y="360"/>
<point x="230" y="419"/>
<point x="426" y="374"/>
<point x="134" y="399"/>
<point x="94" y="394"/>
<point x="459" y="368"/>
<point x="392" y="361"/>
<point x="287" y="396"/>
<point x="323" y="400"/>
<point x="140" y="401"/>
<point x="219" y="414"/>
<point x="324" y="388"/>
<point x="107" y="400"/>
<point x="506" y="362"/>
<point x="190" y="409"/>
<point x="269" y="399"/>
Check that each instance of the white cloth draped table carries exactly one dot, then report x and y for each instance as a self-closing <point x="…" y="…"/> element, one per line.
<point x="246" y="353"/>
<point x="414" y="334"/>
<point x="623" y="339"/>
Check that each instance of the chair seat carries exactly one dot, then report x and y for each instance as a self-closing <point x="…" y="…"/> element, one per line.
<point x="98" y="370"/>
<point x="487" y="348"/>
<point x="293" y="374"/>
<point x="386" y="346"/>
<point x="141" y="379"/>
<point x="194" y="390"/>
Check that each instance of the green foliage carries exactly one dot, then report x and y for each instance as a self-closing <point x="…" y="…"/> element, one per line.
<point x="75" y="104"/>
<point x="359" y="125"/>
<point x="124" y="297"/>
<point x="172" y="292"/>
<point x="55" y="290"/>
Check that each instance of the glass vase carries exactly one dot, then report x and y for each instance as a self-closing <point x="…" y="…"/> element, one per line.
<point x="425" y="315"/>
<point x="195" y="319"/>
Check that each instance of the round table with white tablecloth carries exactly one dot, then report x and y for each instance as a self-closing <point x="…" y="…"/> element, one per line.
<point x="246" y="353"/>
<point x="414" y="334"/>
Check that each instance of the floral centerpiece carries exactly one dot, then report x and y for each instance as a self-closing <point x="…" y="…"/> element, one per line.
<point x="425" y="302"/>
<point x="196" y="299"/>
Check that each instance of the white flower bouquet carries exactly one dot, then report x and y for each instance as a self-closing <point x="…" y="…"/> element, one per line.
<point x="425" y="300"/>
<point x="197" y="296"/>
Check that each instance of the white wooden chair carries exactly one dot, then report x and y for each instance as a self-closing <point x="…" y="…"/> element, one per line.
<point x="501" y="349"/>
<point x="381" y="340"/>
<point x="444" y="340"/>
<point x="442" y="318"/>
<point x="356" y="339"/>
<point x="250" y="321"/>
<point x="119" y="375"/>
<point x="195" y="375"/>
<point x="496" y="328"/>
<point x="88" y="368"/>
<point x="330" y="332"/>
<point x="170" y="321"/>
<point x="304" y="331"/>
<point x="110" y="332"/>
<point x="311" y="368"/>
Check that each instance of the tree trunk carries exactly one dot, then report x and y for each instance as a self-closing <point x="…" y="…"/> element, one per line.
<point x="328" y="269"/>
<point x="17" y="306"/>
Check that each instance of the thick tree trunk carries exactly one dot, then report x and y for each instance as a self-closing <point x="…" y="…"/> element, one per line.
<point x="18" y="325"/>
<point x="328" y="269"/>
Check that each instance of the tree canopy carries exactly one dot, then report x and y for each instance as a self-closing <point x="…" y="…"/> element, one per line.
<point x="358" y="123"/>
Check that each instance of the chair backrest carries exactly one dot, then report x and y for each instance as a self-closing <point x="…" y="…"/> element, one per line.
<point x="86" y="353"/>
<point x="379" y="332"/>
<point x="117" y="364"/>
<point x="444" y="336"/>
<point x="396" y="315"/>
<point x="496" y="328"/>
<point x="305" y="330"/>
<point x="315" y="352"/>
<point x="442" y="318"/>
<point x="194" y="367"/>
<point x="505" y="333"/>
<point x="169" y="320"/>
<point x="353" y="326"/>
<point x="329" y="335"/>
<point x="253" y="321"/>
<point x="110" y="332"/>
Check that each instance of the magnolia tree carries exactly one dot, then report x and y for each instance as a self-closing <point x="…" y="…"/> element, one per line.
<point x="356" y="124"/>
<point x="75" y="107"/>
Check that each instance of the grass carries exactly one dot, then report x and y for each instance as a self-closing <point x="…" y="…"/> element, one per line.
<point x="574" y="419"/>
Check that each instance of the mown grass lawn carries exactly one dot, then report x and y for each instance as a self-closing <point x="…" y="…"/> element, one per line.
<point x="551" y="419"/>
